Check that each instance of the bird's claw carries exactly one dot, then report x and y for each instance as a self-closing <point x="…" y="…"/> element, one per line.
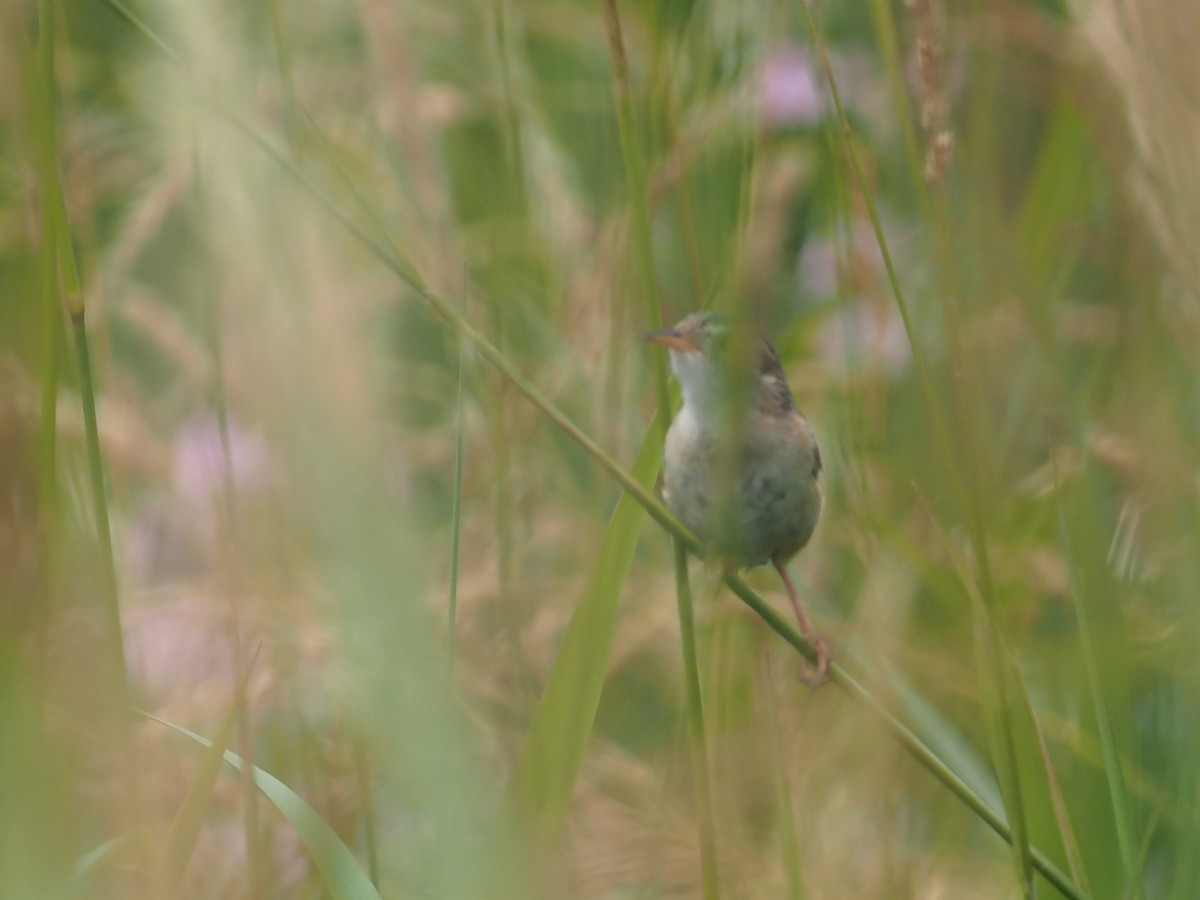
<point x="815" y="674"/>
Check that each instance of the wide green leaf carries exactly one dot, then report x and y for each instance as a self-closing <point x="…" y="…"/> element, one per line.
<point x="343" y="876"/>
<point x="554" y="748"/>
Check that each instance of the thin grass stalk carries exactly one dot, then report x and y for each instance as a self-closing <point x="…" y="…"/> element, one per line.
<point x="920" y="363"/>
<point x="969" y="499"/>
<point x="514" y="145"/>
<point x="979" y="130"/>
<point x="743" y="348"/>
<point x="977" y="493"/>
<point x="511" y="606"/>
<point x="1134" y="884"/>
<point x="1177" y="809"/>
<point x="703" y="282"/>
<point x="907" y="738"/>
<point x="1118" y="796"/>
<point x="636" y="185"/>
<point x="993" y="676"/>
<point x="68" y="267"/>
<point x="400" y="267"/>
<point x="108" y="568"/>
<point x="1062" y="817"/>
<point x="1000" y="663"/>
<point x="60" y="278"/>
<point x="787" y="812"/>
<point x="687" y="220"/>
<point x="110" y="598"/>
<point x="700" y="278"/>
<point x="506" y="506"/>
<point x="55" y="222"/>
<point x="745" y="213"/>
<point x="456" y="519"/>
<point x="848" y="424"/>
<point x="884" y="24"/>
<point x="639" y="197"/>
<point x="362" y="774"/>
<point x="635" y="177"/>
<point x="995" y="662"/>
<point x="51" y="331"/>
<point x="697" y="739"/>
<point x="210" y="303"/>
<point x="287" y="80"/>
<point x="348" y="182"/>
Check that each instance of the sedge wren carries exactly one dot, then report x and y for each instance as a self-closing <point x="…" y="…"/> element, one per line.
<point x="741" y="464"/>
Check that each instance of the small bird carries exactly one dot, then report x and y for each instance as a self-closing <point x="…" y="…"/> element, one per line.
<point x="741" y="465"/>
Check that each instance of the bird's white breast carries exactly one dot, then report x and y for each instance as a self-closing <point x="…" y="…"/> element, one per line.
<point x="773" y="502"/>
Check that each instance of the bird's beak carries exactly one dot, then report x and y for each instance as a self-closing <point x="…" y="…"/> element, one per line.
<point x="672" y="339"/>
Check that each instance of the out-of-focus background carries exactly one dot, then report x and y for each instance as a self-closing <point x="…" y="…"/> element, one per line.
<point x="276" y="218"/>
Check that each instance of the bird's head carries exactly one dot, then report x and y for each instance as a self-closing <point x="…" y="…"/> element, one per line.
<point x="697" y="346"/>
<point x="705" y="360"/>
<point x="703" y="333"/>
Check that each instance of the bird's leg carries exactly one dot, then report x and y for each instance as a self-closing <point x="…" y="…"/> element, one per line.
<point x="812" y="675"/>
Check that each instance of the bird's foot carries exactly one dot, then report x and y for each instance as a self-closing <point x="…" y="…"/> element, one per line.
<point x="815" y="674"/>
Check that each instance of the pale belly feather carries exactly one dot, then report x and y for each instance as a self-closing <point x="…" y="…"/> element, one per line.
<point x="773" y="504"/>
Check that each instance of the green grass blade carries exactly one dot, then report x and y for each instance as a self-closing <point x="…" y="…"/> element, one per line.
<point x="697" y="738"/>
<point x="108" y="566"/>
<point x="456" y="517"/>
<point x="888" y="42"/>
<point x="94" y="859"/>
<point x="562" y="725"/>
<point x="997" y="715"/>
<point x="185" y="827"/>
<point x="340" y="871"/>
<point x="945" y="739"/>
<point x="1052" y="795"/>
<point x="45" y="131"/>
<point x="1059" y="186"/>
<point x="109" y="590"/>
<point x="789" y="836"/>
<point x="993" y="664"/>
<point x="59" y="266"/>
<point x="1127" y="841"/>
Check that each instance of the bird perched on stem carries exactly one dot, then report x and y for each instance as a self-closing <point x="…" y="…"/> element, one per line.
<point x="741" y="466"/>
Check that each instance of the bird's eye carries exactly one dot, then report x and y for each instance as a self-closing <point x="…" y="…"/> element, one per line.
<point x="716" y="335"/>
<point x="719" y="340"/>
